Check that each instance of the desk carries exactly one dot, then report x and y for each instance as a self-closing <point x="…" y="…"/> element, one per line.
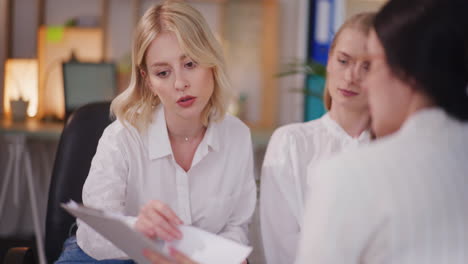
<point x="16" y="135"/>
<point x="32" y="128"/>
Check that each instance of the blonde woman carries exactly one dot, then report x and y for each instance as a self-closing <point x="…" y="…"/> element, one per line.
<point x="173" y="156"/>
<point x="293" y="148"/>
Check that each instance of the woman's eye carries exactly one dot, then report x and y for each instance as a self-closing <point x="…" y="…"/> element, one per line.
<point x="162" y="74"/>
<point x="190" y="65"/>
<point x="344" y="62"/>
<point x="366" y="66"/>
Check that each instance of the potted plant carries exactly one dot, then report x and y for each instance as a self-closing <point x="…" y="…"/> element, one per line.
<point x="313" y="88"/>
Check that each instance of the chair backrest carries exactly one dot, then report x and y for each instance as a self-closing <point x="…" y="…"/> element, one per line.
<point x="76" y="149"/>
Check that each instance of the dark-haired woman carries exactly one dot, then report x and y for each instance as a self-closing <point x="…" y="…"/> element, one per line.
<point x="404" y="198"/>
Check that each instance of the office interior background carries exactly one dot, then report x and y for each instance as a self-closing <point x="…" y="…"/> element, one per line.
<point x="261" y="39"/>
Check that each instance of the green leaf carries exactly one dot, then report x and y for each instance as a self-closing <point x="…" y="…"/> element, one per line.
<point x="310" y="67"/>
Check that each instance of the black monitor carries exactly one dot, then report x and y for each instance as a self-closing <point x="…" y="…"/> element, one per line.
<point x="85" y="83"/>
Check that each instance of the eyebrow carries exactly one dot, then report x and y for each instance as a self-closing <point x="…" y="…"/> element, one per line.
<point x="369" y="57"/>
<point x="366" y="57"/>
<point x="344" y="53"/>
<point x="156" y="64"/>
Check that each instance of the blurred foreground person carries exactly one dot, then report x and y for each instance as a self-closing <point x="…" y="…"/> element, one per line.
<point x="402" y="199"/>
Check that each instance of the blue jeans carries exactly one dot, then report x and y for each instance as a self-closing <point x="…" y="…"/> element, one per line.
<point x="72" y="253"/>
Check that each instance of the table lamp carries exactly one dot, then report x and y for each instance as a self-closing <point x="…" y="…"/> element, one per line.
<point x="21" y="88"/>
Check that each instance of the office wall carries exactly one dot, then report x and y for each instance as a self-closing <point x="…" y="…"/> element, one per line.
<point x="3" y="45"/>
<point x="24" y="28"/>
<point x="294" y="19"/>
<point x="57" y="12"/>
<point x="120" y="29"/>
<point x="242" y="41"/>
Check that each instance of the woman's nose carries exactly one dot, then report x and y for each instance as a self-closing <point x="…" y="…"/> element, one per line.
<point x="354" y="73"/>
<point x="181" y="83"/>
<point x="350" y="73"/>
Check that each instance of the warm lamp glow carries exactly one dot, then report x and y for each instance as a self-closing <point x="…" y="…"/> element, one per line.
<point x="21" y="82"/>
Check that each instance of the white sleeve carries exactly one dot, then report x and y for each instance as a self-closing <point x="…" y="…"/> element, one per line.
<point x="237" y="226"/>
<point x="105" y="188"/>
<point x="278" y="201"/>
<point x="341" y="215"/>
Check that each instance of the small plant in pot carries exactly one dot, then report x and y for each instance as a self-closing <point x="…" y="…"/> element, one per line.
<point x="313" y="87"/>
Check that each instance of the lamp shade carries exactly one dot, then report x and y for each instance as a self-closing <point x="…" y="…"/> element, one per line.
<point x="21" y="83"/>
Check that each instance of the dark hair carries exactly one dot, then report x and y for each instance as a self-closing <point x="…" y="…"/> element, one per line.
<point x="426" y="44"/>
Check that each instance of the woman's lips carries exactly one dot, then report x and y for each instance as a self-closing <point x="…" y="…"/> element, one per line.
<point x="347" y="93"/>
<point x="186" y="101"/>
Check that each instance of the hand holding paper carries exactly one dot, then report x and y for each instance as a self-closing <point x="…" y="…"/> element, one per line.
<point x="157" y="220"/>
<point x="177" y="258"/>
<point x="196" y="244"/>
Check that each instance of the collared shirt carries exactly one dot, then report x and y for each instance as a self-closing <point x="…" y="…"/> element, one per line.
<point x="129" y="169"/>
<point x="402" y="199"/>
<point x="284" y="186"/>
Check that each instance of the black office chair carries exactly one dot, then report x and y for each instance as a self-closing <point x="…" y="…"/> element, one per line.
<point x="76" y="149"/>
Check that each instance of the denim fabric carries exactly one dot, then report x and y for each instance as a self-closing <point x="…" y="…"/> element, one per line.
<point x="72" y="253"/>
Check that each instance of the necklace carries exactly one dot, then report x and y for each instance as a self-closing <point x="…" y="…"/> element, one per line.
<point x="187" y="138"/>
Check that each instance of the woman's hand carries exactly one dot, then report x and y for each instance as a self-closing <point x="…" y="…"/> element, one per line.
<point x="156" y="219"/>
<point x="178" y="258"/>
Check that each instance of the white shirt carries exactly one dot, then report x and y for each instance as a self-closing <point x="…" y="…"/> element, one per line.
<point x="129" y="169"/>
<point x="284" y="183"/>
<point x="400" y="200"/>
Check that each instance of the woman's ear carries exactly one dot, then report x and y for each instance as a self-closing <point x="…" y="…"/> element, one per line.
<point x="144" y="77"/>
<point x="143" y="74"/>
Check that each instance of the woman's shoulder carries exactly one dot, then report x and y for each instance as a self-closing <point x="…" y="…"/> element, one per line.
<point x="294" y="131"/>
<point x="233" y="125"/>
<point x="118" y="130"/>
<point x="232" y="134"/>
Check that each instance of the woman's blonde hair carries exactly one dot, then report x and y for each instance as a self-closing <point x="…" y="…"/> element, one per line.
<point x="362" y="22"/>
<point x="136" y="104"/>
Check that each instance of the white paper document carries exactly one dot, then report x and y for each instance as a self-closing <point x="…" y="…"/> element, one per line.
<point x="201" y="246"/>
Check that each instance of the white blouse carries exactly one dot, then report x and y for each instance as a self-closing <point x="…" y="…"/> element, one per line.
<point x="402" y="199"/>
<point x="129" y="169"/>
<point x="284" y="186"/>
